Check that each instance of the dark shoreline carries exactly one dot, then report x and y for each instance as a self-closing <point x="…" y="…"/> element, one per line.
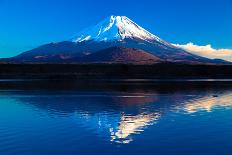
<point x="114" y="77"/>
<point x="114" y="71"/>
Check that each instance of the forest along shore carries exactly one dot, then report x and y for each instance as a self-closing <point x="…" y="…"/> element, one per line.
<point x="114" y="71"/>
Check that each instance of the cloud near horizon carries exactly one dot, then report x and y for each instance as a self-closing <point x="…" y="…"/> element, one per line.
<point x="207" y="51"/>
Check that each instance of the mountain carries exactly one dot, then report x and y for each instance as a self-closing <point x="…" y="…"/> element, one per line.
<point x="98" y="44"/>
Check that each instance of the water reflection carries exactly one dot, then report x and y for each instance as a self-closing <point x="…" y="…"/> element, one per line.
<point x="132" y="125"/>
<point x="208" y="102"/>
<point x="119" y="115"/>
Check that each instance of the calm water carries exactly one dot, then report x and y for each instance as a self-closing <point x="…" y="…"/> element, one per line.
<point x="122" y="121"/>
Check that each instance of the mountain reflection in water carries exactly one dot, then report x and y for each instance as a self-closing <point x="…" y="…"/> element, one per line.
<point x="120" y="115"/>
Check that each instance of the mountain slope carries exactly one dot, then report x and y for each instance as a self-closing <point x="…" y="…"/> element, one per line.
<point x="121" y="55"/>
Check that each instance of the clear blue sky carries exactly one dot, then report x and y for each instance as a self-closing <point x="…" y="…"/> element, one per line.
<point x="25" y="24"/>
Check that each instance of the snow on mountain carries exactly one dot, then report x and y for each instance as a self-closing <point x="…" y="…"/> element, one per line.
<point x="116" y="28"/>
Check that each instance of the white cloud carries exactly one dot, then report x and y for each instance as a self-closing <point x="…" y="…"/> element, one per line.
<point x="207" y="51"/>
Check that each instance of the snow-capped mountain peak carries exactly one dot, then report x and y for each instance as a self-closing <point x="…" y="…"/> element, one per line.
<point x="115" y="28"/>
<point x="116" y="39"/>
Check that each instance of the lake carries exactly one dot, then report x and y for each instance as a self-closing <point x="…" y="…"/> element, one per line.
<point x="43" y="118"/>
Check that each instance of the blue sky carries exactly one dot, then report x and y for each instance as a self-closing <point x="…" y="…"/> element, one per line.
<point x="25" y="24"/>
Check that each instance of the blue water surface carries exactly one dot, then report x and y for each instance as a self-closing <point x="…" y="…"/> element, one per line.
<point x="108" y="122"/>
